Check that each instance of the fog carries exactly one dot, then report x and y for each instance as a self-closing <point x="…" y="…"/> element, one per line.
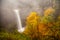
<point x="8" y="16"/>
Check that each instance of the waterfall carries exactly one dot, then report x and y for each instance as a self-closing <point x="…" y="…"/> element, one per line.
<point x="20" y="28"/>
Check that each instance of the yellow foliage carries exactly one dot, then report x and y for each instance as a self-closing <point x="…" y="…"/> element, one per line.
<point x="31" y="23"/>
<point x="32" y="16"/>
<point x="49" y="11"/>
<point x="34" y="26"/>
<point x="35" y="23"/>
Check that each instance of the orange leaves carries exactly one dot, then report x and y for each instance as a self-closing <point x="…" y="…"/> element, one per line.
<point x="36" y="24"/>
<point x="43" y="28"/>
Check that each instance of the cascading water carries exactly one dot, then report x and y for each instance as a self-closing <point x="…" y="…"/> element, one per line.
<point x="20" y="28"/>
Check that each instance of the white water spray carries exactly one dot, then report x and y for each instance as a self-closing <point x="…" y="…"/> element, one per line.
<point x="20" y="28"/>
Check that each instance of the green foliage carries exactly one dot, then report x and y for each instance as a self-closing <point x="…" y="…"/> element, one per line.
<point x="45" y="28"/>
<point x="13" y="36"/>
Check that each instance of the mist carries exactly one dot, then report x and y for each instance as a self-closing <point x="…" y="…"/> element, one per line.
<point x="8" y="16"/>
